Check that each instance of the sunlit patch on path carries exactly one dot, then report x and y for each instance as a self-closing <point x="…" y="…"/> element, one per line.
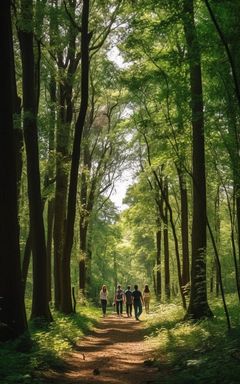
<point x="114" y="353"/>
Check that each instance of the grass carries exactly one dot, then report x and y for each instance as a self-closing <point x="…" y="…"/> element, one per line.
<point x="21" y="360"/>
<point x="193" y="353"/>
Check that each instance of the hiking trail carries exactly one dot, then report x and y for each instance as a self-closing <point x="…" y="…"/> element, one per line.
<point x="115" y="353"/>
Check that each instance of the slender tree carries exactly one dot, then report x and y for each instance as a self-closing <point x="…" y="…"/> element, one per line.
<point x="66" y="304"/>
<point x="184" y="226"/>
<point x="158" y="279"/>
<point x="67" y="66"/>
<point x="166" y="241"/>
<point x="40" y="307"/>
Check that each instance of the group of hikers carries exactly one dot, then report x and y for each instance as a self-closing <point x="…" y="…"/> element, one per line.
<point x="133" y="299"/>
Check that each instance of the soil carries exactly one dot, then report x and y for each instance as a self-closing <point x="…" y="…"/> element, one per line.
<point x="114" y="353"/>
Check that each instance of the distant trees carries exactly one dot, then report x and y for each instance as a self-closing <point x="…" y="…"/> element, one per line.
<point x="166" y="81"/>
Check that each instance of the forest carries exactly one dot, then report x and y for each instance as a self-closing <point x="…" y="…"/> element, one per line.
<point x="104" y="98"/>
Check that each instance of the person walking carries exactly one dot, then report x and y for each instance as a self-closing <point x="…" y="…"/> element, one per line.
<point x="146" y="298"/>
<point x="129" y="300"/>
<point x="103" y="298"/>
<point x="119" y="298"/>
<point x="137" y="302"/>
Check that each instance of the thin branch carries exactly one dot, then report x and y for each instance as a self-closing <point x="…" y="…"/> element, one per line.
<point x="106" y="199"/>
<point x="230" y="58"/>
<point x="71" y="18"/>
<point x="104" y="34"/>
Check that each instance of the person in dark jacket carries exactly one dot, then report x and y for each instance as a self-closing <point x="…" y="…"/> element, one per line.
<point x="119" y="299"/>
<point x="129" y="300"/>
<point x="137" y="302"/>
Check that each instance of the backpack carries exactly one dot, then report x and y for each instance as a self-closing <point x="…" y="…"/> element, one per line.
<point x="119" y="294"/>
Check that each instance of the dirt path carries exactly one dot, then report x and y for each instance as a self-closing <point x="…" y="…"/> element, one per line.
<point x="114" y="353"/>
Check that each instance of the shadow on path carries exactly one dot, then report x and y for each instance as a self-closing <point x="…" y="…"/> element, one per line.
<point x="114" y="353"/>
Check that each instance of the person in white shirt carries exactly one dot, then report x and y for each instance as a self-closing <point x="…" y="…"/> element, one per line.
<point x="103" y="298"/>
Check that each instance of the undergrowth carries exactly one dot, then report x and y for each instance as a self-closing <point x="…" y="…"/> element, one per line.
<point x="43" y="347"/>
<point x="195" y="352"/>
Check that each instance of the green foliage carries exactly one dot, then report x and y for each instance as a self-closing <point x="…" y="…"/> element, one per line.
<point x="106" y="234"/>
<point x="200" y="352"/>
<point x="21" y="361"/>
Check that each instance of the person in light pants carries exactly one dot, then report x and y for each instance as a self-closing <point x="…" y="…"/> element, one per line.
<point x="146" y="298"/>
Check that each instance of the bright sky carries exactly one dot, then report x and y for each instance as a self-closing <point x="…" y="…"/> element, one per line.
<point x="120" y="189"/>
<point x="126" y="178"/>
<point x="115" y="56"/>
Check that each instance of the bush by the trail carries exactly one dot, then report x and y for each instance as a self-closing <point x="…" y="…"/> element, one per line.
<point x="196" y="352"/>
<point x="40" y="350"/>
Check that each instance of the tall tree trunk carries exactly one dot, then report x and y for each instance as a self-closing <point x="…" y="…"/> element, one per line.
<point x="67" y="61"/>
<point x="198" y="305"/>
<point x="40" y="307"/>
<point x="50" y="220"/>
<point x="87" y="202"/>
<point x="83" y="224"/>
<point x="18" y="132"/>
<point x="217" y="236"/>
<point x="71" y="209"/>
<point x="85" y="247"/>
<point x="115" y="272"/>
<point x="82" y="262"/>
<point x="26" y="261"/>
<point x="184" y="227"/>
<point x="164" y="194"/>
<point x="12" y="314"/>
<point x="50" y="177"/>
<point x="166" y="246"/>
<point x="158" y="260"/>
<point x="89" y="259"/>
<point x="62" y="142"/>
<point x="234" y="252"/>
<point x="220" y="275"/>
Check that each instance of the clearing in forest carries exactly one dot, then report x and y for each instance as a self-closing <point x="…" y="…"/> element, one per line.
<point x="114" y="353"/>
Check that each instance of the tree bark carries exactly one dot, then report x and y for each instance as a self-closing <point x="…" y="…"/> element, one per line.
<point x="50" y="220"/>
<point x="83" y="224"/>
<point x="217" y="236"/>
<point x="50" y="176"/>
<point x="166" y="245"/>
<point x="184" y="227"/>
<point x="158" y="260"/>
<point x="71" y="208"/>
<point x="12" y="311"/>
<point x="198" y="305"/>
<point x="40" y="307"/>
<point x="26" y="261"/>
<point x="62" y="143"/>
<point x="67" y="61"/>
